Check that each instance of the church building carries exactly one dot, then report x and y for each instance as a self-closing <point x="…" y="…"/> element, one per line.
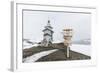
<point x="48" y="35"/>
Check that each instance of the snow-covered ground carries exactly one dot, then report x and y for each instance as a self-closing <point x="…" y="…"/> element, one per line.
<point x="28" y="45"/>
<point x="35" y="57"/>
<point x="84" y="49"/>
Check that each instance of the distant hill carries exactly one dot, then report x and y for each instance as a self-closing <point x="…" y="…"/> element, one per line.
<point x="85" y="42"/>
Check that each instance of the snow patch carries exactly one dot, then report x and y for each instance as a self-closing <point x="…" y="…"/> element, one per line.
<point x="84" y="49"/>
<point x="29" y="46"/>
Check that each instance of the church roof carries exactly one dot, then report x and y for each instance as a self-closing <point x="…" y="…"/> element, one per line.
<point x="47" y="34"/>
<point x="48" y="26"/>
<point x="47" y="29"/>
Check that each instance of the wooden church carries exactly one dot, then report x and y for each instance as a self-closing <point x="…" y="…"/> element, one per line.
<point x="48" y="35"/>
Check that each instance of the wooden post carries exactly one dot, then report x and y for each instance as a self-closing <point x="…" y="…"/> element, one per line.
<point x="68" y="52"/>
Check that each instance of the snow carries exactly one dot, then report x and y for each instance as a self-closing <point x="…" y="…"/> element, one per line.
<point x="26" y="46"/>
<point x="58" y="41"/>
<point x="35" y="57"/>
<point x="29" y="46"/>
<point x="84" y="49"/>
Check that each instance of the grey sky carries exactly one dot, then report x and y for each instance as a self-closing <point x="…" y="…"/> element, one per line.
<point x="34" y="22"/>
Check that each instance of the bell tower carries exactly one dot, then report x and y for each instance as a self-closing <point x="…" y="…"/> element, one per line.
<point x="48" y="35"/>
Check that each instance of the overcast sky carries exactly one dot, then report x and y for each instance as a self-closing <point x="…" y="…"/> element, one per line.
<point x="34" y="22"/>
